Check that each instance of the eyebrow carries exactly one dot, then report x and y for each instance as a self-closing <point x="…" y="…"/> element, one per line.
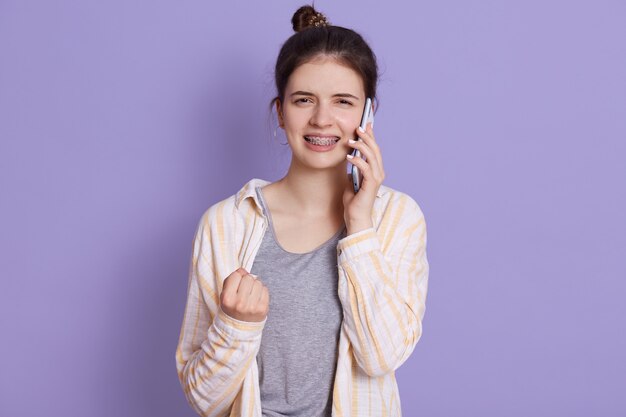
<point x="306" y="93"/>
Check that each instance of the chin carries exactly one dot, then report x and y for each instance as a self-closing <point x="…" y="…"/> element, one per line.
<point x="325" y="162"/>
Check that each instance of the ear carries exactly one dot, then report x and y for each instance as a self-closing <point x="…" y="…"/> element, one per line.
<point x="279" y="112"/>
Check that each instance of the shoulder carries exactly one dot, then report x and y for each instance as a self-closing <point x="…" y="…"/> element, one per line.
<point x="394" y="202"/>
<point x="400" y="220"/>
<point x="234" y="208"/>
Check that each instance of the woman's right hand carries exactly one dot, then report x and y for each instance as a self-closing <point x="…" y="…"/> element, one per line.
<point x="244" y="297"/>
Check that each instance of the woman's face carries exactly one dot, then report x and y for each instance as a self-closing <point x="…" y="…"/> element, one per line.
<point x="322" y="107"/>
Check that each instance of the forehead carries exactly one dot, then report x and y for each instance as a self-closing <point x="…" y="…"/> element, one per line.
<point x="326" y="76"/>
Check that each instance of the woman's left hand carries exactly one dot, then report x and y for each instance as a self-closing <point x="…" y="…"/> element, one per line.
<point x="358" y="206"/>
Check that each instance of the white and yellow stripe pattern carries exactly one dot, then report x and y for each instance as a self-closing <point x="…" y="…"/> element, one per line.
<point x="383" y="281"/>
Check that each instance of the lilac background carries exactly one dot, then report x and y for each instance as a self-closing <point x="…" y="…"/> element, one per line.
<point x="122" y="121"/>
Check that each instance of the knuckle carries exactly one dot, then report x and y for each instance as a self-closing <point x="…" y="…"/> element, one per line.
<point x="227" y="301"/>
<point x="226" y="294"/>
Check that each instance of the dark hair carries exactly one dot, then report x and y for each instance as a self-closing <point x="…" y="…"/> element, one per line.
<point x="316" y="37"/>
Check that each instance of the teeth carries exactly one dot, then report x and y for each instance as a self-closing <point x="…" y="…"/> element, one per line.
<point x="320" y="141"/>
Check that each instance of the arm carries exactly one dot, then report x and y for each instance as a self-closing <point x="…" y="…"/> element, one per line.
<point x="214" y="350"/>
<point x="383" y="282"/>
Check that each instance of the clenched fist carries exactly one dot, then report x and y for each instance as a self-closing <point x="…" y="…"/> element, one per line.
<point x="244" y="297"/>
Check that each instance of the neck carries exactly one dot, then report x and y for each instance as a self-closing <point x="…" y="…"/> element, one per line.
<point x="315" y="192"/>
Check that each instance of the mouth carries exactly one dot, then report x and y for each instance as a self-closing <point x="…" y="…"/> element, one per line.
<point x="322" y="140"/>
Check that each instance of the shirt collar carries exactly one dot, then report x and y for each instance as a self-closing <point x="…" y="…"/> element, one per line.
<point x="249" y="191"/>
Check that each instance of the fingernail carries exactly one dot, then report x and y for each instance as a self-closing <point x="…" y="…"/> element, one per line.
<point x="352" y="141"/>
<point x="349" y="156"/>
<point x="361" y="129"/>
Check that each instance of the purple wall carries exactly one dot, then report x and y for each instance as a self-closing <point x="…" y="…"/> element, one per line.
<point x="121" y="122"/>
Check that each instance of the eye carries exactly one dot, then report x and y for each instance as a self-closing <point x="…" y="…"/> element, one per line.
<point x="303" y="100"/>
<point x="342" y="101"/>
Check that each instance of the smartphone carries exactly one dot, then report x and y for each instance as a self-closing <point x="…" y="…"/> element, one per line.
<point x="366" y="117"/>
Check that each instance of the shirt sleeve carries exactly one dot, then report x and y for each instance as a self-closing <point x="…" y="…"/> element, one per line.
<point x="214" y="350"/>
<point x="383" y="282"/>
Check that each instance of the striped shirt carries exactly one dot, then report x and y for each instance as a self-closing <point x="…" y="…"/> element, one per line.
<point x="383" y="281"/>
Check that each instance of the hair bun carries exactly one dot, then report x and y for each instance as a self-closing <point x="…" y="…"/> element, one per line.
<point x="306" y="17"/>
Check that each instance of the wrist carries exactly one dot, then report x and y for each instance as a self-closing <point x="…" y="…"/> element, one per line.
<point x="358" y="226"/>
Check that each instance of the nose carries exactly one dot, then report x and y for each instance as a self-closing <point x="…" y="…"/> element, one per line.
<point x="322" y="115"/>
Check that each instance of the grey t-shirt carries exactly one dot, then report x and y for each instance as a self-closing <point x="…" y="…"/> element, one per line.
<point x="298" y="354"/>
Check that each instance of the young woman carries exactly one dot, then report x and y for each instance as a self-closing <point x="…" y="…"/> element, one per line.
<point x="304" y="297"/>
